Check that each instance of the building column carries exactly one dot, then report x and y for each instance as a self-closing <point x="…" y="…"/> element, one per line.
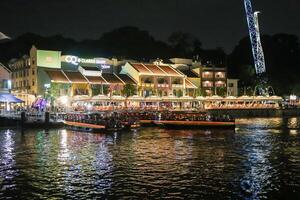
<point x="184" y="87"/>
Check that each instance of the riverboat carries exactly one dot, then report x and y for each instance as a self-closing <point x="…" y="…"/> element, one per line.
<point x="99" y="122"/>
<point x="180" y="119"/>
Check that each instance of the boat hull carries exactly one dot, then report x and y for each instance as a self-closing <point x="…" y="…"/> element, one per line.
<point x="196" y="124"/>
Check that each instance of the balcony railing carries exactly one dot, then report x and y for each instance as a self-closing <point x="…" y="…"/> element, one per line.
<point x="147" y="84"/>
<point x="177" y="85"/>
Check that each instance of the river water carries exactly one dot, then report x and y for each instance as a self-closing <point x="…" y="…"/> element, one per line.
<point x="259" y="160"/>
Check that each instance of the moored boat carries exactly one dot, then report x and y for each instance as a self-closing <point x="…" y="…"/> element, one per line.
<point x="99" y="122"/>
<point x="195" y="124"/>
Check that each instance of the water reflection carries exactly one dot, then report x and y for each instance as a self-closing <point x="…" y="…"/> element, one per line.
<point x="260" y="160"/>
<point x="7" y="160"/>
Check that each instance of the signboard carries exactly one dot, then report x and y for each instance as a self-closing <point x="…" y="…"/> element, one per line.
<point x="50" y="59"/>
<point x="75" y="60"/>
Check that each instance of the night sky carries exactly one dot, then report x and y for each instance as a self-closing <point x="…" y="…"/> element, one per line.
<point x="217" y="23"/>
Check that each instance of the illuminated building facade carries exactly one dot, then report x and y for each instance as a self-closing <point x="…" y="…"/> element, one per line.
<point x="158" y="79"/>
<point x="210" y="80"/>
<point x="39" y="73"/>
<point x="5" y="82"/>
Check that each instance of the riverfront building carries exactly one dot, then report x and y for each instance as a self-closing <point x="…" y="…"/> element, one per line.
<point x="44" y="74"/>
<point x="5" y="83"/>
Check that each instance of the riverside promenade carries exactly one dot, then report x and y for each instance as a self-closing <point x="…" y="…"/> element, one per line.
<point x="247" y="113"/>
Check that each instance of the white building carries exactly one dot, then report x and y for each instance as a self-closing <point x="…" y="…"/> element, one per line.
<point x="232" y="87"/>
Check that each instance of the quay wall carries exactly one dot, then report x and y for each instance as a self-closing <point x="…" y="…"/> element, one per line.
<point x="248" y="113"/>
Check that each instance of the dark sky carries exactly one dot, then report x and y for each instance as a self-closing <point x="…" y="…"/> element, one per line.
<point x="215" y="22"/>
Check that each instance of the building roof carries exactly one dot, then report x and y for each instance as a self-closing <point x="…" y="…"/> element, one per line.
<point x="7" y="68"/>
<point x="189" y="84"/>
<point x="126" y="79"/>
<point x="141" y="68"/>
<point x="96" y="79"/>
<point x="152" y="69"/>
<point x="90" y="68"/>
<point x="112" y="78"/>
<point x="189" y="73"/>
<point x="75" y="77"/>
<point x="170" y="70"/>
<point x="57" y="76"/>
<point x="155" y="69"/>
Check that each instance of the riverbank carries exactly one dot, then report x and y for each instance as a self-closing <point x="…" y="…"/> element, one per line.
<point x="248" y="113"/>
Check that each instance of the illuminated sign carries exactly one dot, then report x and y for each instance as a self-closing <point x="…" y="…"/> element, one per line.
<point x="103" y="66"/>
<point x="75" y="60"/>
<point x="49" y="59"/>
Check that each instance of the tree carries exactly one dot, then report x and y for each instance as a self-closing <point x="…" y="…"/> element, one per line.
<point x="129" y="90"/>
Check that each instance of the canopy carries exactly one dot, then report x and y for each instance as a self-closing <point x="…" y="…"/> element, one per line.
<point x="200" y="98"/>
<point x="100" y="97"/>
<point x="170" y="98"/>
<point x="186" y="98"/>
<point x="152" y="98"/>
<point x="117" y="98"/>
<point x="135" y="98"/>
<point x="9" y="98"/>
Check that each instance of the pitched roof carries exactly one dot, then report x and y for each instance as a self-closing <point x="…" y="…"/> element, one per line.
<point x="96" y="79"/>
<point x="189" y="73"/>
<point x="158" y="70"/>
<point x="75" y="77"/>
<point x="189" y="84"/>
<point x="57" y="76"/>
<point x="155" y="69"/>
<point x="141" y="68"/>
<point x="112" y="78"/>
<point x="126" y="79"/>
<point x="170" y="70"/>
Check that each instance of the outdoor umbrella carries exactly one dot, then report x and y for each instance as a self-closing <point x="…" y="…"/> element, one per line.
<point x="9" y="98"/>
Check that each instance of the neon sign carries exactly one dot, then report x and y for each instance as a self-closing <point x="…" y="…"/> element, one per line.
<point x="75" y="60"/>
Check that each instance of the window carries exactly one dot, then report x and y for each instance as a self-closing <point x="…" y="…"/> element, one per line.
<point x="220" y="75"/>
<point x="207" y="75"/>
<point x="32" y="82"/>
<point x="207" y="84"/>
<point x="230" y="84"/>
<point x="33" y="71"/>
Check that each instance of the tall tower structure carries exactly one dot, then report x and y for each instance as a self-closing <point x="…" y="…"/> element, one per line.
<point x="254" y="33"/>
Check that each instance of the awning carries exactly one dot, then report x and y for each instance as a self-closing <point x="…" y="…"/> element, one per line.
<point x="9" y="98"/>
<point x="57" y="76"/>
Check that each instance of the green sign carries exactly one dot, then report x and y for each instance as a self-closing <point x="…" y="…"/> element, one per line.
<point x="49" y="59"/>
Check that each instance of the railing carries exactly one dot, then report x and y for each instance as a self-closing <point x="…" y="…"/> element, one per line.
<point x="177" y="86"/>
<point x="147" y="85"/>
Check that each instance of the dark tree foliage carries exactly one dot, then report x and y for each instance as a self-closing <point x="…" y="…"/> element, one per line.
<point x="282" y="55"/>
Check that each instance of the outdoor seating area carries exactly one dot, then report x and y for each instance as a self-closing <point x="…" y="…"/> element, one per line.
<point x="103" y="102"/>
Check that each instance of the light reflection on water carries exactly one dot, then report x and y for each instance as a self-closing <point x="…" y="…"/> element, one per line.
<point x="260" y="160"/>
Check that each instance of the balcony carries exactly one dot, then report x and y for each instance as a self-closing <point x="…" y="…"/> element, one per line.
<point x="163" y="85"/>
<point x="147" y="85"/>
<point x="177" y="86"/>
